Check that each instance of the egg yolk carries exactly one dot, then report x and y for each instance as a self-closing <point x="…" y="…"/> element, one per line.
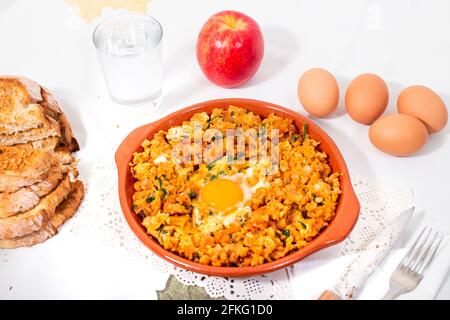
<point x="222" y="194"/>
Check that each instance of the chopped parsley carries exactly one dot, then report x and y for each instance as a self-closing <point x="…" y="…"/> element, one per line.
<point x="305" y="132"/>
<point x="159" y="181"/>
<point x="211" y="121"/>
<point x="192" y="194"/>
<point x="286" y="233"/>
<point x="150" y="199"/>
<point x="295" y="137"/>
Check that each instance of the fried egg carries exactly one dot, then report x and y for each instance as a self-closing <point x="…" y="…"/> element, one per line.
<point x="222" y="194"/>
<point x="224" y="199"/>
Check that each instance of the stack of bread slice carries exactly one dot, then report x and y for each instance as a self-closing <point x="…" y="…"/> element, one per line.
<point x="39" y="189"/>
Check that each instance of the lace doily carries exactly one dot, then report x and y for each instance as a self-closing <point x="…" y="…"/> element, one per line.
<point x="105" y="222"/>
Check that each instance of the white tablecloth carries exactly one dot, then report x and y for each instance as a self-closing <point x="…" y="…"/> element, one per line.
<point x="403" y="41"/>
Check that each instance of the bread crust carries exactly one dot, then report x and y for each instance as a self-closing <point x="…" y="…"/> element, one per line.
<point x="53" y="110"/>
<point x="49" y="128"/>
<point x="19" y="110"/>
<point x="34" y="219"/>
<point x="62" y="213"/>
<point x="24" y="199"/>
<point x="22" y="167"/>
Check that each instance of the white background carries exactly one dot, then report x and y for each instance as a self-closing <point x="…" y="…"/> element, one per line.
<point x="404" y="41"/>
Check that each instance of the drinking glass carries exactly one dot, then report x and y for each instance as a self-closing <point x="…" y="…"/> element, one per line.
<point x="129" y="48"/>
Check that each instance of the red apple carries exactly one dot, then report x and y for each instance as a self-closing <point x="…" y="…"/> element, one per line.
<point x="230" y="48"/>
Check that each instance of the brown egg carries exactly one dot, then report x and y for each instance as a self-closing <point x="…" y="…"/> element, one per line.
<point x="398" y="134"/>
<point x="318" y="92"/>
<point x="424" y="104"/>
<point x="366" y="98"/>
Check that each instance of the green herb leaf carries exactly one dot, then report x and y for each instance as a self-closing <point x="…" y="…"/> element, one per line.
<point x="159" y="181"/>
<point x="286" y="233"/>
<point x="305" y="132"/>
<point x="295" y="137"/>
<point x="210" y="165"/>
<point x="164" y="191"/>
<point x="192" y="194"/>
<point x="213" y="177"/>
<point x="211" y="121"/>
<point x="303" y="225"/>
<point x="150" y="199"/>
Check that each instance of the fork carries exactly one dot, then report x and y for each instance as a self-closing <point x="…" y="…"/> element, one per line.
<point x="411" y="269"/>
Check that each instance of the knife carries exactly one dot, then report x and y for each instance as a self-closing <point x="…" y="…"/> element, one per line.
<point x="360" y="269"/>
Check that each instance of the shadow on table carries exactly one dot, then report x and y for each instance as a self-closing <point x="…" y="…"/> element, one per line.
<point x="280" y="49"/>
<point x="72" y="112"/>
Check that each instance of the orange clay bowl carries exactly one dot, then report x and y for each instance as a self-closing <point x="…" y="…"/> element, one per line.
<point x="347" y="210"/>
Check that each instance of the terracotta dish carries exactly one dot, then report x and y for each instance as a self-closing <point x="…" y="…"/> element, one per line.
<point x="346" y="213"/>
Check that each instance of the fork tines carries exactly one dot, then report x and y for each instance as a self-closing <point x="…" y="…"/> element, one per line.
<point x="422" y="252"/>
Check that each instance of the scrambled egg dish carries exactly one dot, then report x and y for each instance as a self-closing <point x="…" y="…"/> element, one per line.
<point x="231" y="210"/>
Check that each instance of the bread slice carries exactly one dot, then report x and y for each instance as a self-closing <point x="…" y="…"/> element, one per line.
<point x="62" y="213"/>
<point x="24" y="199"/>
<point x="34" y="219"/>
<point x="19" y="110"/>
<point x="47" y="144"/>
<point x="50" y="182"/>
<point x="26" y="106"/>
<point x="35" y="163"/>
<point x="49" y="128"/>
<point x="22" y="166"/>
<point x="15" y="202"/>
<point x="62" y="155"/>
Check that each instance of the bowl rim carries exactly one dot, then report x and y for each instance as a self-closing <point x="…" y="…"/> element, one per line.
<point x="346" y="216"/>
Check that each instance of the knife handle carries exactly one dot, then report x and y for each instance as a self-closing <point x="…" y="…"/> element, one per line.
<point x="329" y="295"/>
